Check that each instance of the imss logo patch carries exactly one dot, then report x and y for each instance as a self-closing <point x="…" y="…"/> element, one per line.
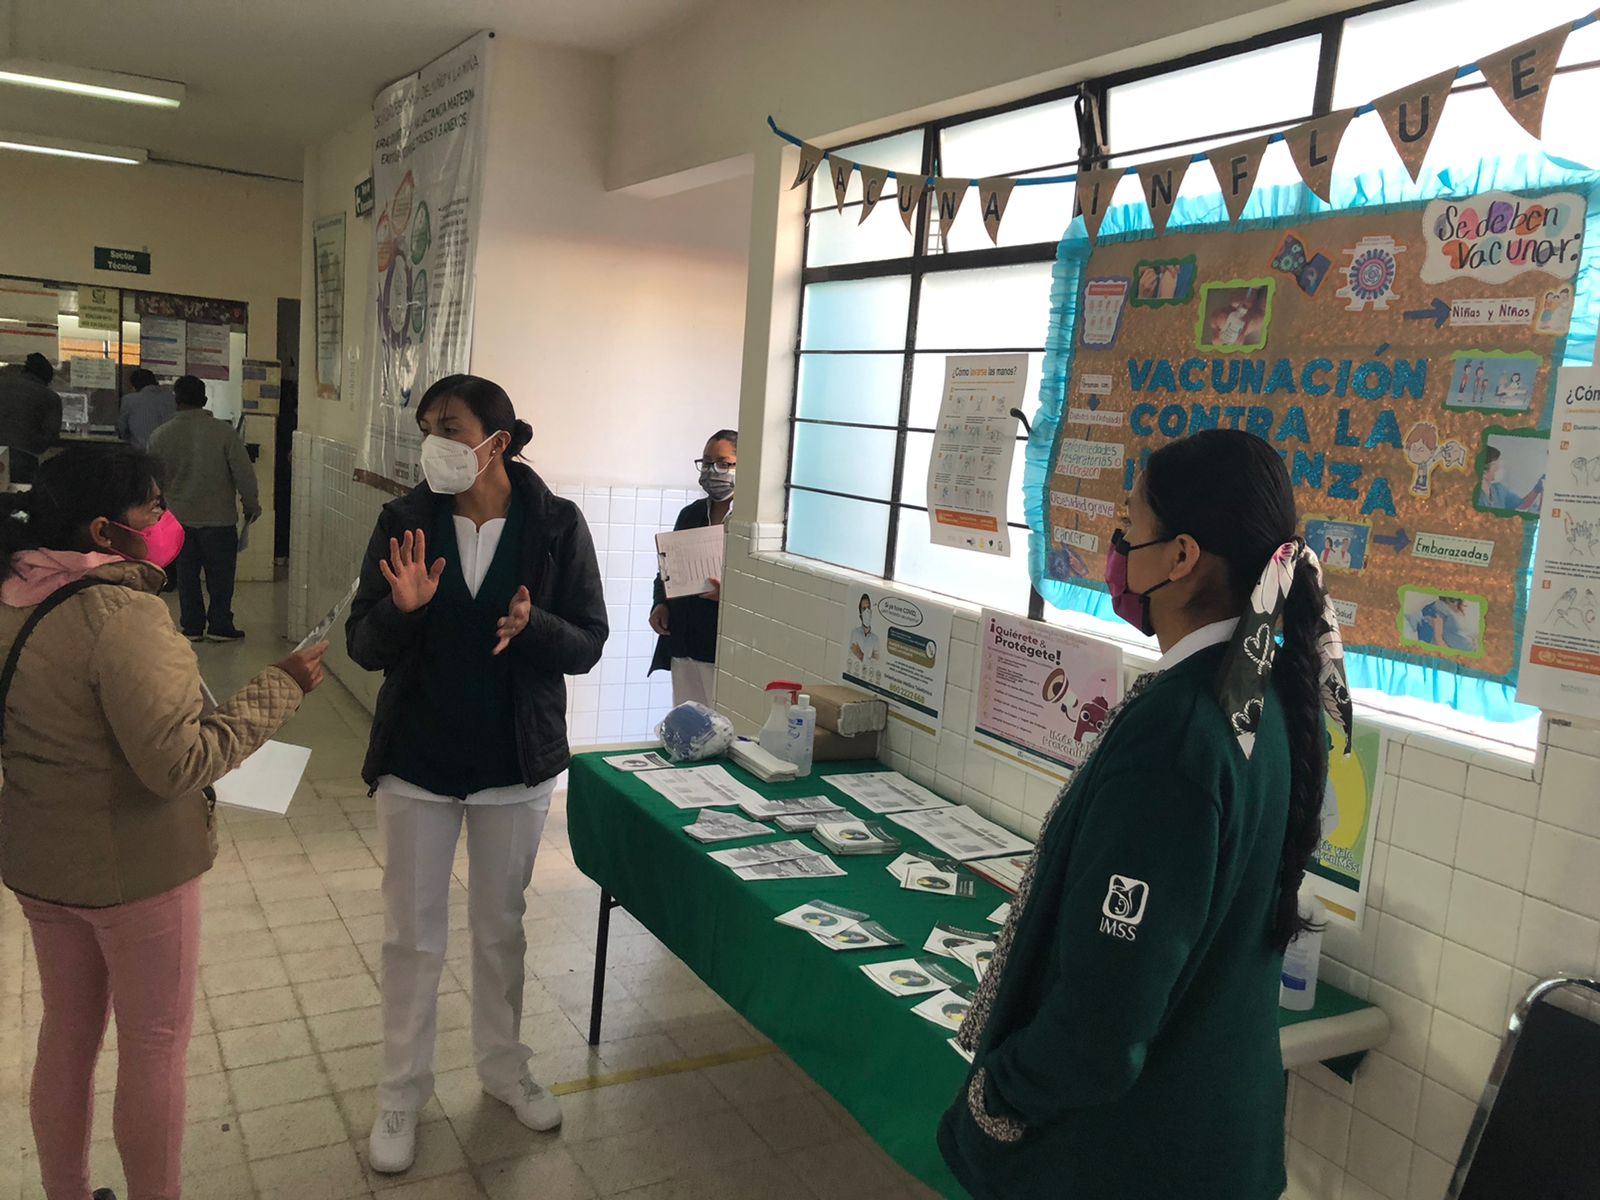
<point x="1124" y="907"/>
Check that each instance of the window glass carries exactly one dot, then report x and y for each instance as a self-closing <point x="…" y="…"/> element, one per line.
<point x="863" y="388"/>
<point x="862" y="314"/>
<point x="901" y="152"/>
<point x="985" y="579"/>
<point x="927" y="387"/>
<point x="835" y="237"/>
<point x="991" y="307"/>
<point x="851" y="533"/>
<point x="840" y="458"/>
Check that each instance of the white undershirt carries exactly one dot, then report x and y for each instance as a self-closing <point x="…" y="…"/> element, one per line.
<point x="1200" y="639"/>
<point x="475" y="547"/>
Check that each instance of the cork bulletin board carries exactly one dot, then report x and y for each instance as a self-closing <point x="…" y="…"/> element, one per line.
<point x="1401" y="359"/>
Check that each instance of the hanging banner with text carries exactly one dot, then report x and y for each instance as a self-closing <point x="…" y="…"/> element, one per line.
<point x="1399" y="359"/>
<point x="1043" y="693"/>
<point x="969" y="470"/>
<point x="899" y="648"/>
<point x="429" y="135"/>
<point x="1561" y="645"/>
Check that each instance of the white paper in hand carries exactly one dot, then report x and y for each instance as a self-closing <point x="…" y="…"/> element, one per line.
<point x="320" y="630"/>
<point x="266" y="781"/>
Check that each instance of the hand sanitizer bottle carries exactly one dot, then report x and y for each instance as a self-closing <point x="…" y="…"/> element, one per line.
<point x="1298" y="992"/>
<point x="802" y="735"/>
<point x="774" y="736"/>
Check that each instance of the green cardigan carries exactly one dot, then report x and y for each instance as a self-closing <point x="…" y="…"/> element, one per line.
<point x="1135" y="1031"/>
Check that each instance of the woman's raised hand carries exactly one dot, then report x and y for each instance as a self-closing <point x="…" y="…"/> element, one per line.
<point x="515" y="620"/>
<point x="412" y="582"/>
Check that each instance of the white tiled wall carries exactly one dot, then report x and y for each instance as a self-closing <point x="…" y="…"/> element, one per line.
<point x="334" y="516"/>
<point x="1486" y="875"/>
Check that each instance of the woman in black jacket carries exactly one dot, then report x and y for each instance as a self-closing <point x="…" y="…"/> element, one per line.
<point x="470" y="723"/>
<point x="687" y="645"/>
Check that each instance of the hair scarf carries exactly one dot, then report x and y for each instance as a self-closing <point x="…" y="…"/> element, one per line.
<point x="1241" y="688"/>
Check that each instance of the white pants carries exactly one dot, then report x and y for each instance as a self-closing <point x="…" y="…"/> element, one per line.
<point x="693" y="680"/>
<point x="420" y="840"/>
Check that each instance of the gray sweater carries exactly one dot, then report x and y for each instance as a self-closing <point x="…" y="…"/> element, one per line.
<point x="206" y="465"/>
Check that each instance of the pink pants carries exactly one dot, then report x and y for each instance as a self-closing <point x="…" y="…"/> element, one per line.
<point x="139" y="959"/>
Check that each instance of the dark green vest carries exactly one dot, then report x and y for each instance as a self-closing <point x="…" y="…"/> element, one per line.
<point x="456" y="734"/>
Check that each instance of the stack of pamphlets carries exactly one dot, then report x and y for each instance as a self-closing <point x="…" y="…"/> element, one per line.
<point x="910" y="976"/>
<point x="763" y="809"/>
<point x="976" y="955"/>
<point x="698" y="787"/>
<point x="946" y="939"/>
<point x="714" y="826"/>
<point x="806" y="822"/>
<point x="930" y="873"/>
<point x="777" y="860"/>
<point x="645" y="760"/>
<point x="1005" y="872"/>
<point x="838" y="928"/>
<point x="1001" y="915"/>
<point x="960" y="833"/>
<point x="949" y="1007"/>
<point x="887" y="792"/>
<point x="855" y="837"/>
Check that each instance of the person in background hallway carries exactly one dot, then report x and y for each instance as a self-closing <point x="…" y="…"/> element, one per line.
<point x="206" y="467"/>
<point x="30" y="414"/>
<point x="105" y="812"/>
<point x="470" y="726"/>
<point x="688" y="625"/>
<point x="145" y="409"/>
<point x="1125" y="1038"/>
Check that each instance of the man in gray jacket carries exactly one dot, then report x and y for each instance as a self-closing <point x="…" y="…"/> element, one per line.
<point x="206" y="467"/>
<point x="145" y="409"/>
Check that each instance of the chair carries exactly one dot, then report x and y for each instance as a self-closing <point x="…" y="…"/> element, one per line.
<point x="1536" y="1134"/>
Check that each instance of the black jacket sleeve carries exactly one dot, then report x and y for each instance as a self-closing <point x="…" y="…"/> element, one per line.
<point x="376" y="633"/>
<point x="568" y="627"/>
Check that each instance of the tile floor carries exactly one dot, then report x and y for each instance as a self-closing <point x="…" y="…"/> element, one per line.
<point x="284" y="1057"/>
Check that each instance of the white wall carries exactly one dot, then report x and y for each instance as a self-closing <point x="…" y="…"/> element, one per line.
<point x="614" y="321"/>
<point x="208" y="234"/>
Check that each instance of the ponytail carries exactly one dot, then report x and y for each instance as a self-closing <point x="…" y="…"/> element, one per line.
<point x="1295" y="674"/>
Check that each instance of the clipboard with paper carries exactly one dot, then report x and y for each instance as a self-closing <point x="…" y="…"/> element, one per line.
<point x="689" y="559"/>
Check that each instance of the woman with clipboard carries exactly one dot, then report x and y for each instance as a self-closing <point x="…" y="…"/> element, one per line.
<point x="687" y="645"/>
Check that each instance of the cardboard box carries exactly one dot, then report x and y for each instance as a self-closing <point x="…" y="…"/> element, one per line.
<point x="847" y="711"/>
<point x="835" y="747"/>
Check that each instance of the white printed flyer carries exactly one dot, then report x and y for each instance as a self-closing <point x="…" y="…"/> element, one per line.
<point x="969" y="471"/>
<point x="899" y="648"/>
<point x="1043" y="693"/>
<point x="1560" y="668"/>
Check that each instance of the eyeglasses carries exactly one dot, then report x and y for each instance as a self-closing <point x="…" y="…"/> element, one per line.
<point x="716" y="466"/>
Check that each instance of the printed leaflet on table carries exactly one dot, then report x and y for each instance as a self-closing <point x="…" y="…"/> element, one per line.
<point x="886" y="792"/>
<point x="771" y="852"/>
<point x="647" y="761"/>
<point x="948" y="1008"/>
<point x="814" y="866"/>
<point x="1561" y="642"/>
<point x="946" y="939"/>
<point x="976" y="955"/>
<point x="898" y="648"/>
<point x="714" y="826"/>
<point x="1000" y="915"/>
<point x="1002" y="872"/>
<point x="763" y="809"/>
<point x="856" y="837"/>
<point x="937" y="876"/>
<point x="960" y="832"/>
<point x="1043" y="693"/>
<point x="698" y="787"/>
<point x="910" y="976"/>
<point x="969" y="469"/>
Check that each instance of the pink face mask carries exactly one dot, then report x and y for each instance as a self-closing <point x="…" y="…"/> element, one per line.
<point x="1133" y="607"/>
<point x="162" y="541"/>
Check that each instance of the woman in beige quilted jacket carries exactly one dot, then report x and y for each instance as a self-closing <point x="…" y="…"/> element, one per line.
<point x="105" y="809"/>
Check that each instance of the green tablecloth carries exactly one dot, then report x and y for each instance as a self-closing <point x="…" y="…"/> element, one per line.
<point x="891" y="1069"/>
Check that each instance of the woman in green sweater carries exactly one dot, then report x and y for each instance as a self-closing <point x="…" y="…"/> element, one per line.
<point x="1125" y="1039"/>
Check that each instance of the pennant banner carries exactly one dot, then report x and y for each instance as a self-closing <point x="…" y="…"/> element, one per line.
<point x="949" y="193"/>
<point x="1237" y="167"/>
<point x="994" y="194"/>
<point x="872" y="181"/>
<point x="1314" y="145"/>
<point x="1095" y="190"/>
<point x="840" y="169"/>
<point x="907" y="192"/>
<point x="1160" y="182"/>
<point x="810" y="160"/>
<point x="1520" y="75"/>
<point x="1412" y="114"/>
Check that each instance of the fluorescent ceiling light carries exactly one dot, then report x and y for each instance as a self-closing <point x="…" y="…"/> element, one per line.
<point x="82" y="81"/>
<point x="33" y="143"/>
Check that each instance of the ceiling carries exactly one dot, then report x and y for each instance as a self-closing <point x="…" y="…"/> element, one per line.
<point x="265" y="77"/>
